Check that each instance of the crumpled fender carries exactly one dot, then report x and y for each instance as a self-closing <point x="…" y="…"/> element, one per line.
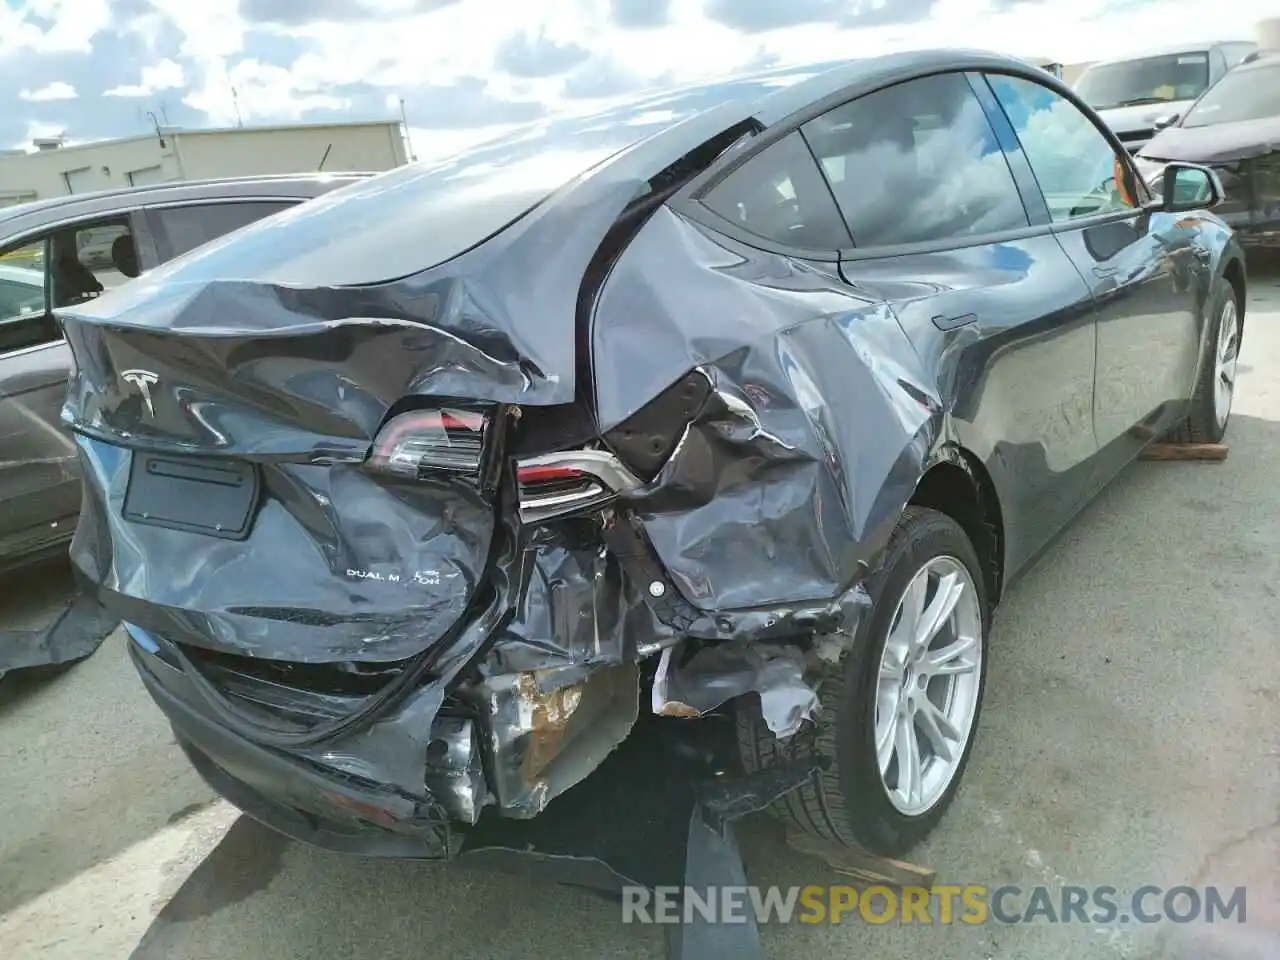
<point x="819" y="426"/>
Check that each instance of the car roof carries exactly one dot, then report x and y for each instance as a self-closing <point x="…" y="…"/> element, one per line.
<point x="1166" y="50"/>
<point x="421" y="214"/>
<point x="36" y="213"/>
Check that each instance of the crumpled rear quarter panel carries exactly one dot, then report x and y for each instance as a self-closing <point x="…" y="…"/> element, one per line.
<point x="815" y="436"/>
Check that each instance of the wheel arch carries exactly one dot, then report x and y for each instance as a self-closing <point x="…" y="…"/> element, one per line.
<point x="956" y="483"/>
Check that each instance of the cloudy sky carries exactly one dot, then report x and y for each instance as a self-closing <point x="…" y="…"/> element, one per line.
<point x="90" y="69"/>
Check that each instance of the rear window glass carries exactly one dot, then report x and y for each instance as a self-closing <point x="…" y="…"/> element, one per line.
<point x="417" y="216"/>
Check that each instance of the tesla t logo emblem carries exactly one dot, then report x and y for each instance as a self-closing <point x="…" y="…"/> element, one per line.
<point x="143" y="380"/>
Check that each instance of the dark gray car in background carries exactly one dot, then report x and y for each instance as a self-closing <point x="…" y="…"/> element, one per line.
<point x="62" y="251"/>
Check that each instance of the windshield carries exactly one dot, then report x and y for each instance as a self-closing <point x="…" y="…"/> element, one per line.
<point x="1176" y="76"/>
<point x="1240" y="95"/>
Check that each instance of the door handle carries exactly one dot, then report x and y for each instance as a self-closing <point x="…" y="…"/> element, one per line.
<point x="1105" y="273"/>
<point x="950" y="323"/>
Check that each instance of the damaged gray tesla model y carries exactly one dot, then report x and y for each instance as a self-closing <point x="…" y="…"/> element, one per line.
<point x="743" y="401"/>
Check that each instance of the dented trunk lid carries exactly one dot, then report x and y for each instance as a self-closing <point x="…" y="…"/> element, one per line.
<point x="225" y="406"/>
<point x="229" y="505"/>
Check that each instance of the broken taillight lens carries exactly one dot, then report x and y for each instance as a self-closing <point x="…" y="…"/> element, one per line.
<point x="548" y="491"/>
<point x="547" y="476"/>
<point x="420" y="442"/>
<point x="570" y="482"/>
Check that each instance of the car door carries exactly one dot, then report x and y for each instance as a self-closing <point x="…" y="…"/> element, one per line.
<point x="39" y="484"/>
<point x="1129" y="254"/>
<point x="988" y="296"/>
<point x="39" y="475"/>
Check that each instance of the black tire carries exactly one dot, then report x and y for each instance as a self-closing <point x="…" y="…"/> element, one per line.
<point x="1202" y="424"/>
<point x="849" y="804"/>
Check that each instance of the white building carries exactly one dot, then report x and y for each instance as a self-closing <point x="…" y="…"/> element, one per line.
<point x="1268" y="32"/>
<point x="55" y="169"/>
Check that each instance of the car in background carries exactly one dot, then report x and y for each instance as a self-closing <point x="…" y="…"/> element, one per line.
<point x="1051" y="67"/>
<point x="65" y="250"/>
<point x="1234" y="128"/>
<point x="1134" y="94"/>
<point x="21" y="290"/>
<point x="413" y="499"/>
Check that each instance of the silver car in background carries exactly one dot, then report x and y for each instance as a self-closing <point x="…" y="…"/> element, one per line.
<point x="62" y="251"/>
<point x="1134" y="95"/>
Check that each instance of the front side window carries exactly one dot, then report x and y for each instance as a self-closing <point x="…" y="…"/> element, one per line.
<point x="916" y="162"/>
<point x="179" y="229"/>
<point x="1175" y="76"/>
<point x="779" y="195"/>
<point x="1079" y="172"/>
<point x="1247" y="93"/>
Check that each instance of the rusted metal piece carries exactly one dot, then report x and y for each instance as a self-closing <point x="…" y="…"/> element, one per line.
<point x="868" y="868"/>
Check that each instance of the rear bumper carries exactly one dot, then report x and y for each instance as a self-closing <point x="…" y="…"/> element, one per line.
<point x="298" y="797"/>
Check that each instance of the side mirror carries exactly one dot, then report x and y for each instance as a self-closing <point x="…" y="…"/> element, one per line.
<point x="1189" y="186"/>
<point x="1168" y="120"/>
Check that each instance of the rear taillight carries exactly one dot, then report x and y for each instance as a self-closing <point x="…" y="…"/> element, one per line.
<point x="560" y="484"/>
<point x="421" y="442"/>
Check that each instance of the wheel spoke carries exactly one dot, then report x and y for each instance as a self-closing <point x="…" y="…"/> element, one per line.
<point x="886" y="740"/>
<point x="939" y="731"/>
<point x="951" y="660"/>
<point x="908" y="751"/>
<point x="911" y="609"/>
<point x="945" y="598"/>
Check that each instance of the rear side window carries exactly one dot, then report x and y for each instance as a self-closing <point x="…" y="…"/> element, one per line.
<point x="1079" y="172"/>
<point x="179" y="229"/>
<point x="779" y="195"/>
<point x="916" y="162"/>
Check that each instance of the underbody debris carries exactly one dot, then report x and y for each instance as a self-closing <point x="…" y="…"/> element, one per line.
<point x="722" y="672"/>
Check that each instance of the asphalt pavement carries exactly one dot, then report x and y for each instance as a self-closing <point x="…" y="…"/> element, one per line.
<point x="1130" y="736"/>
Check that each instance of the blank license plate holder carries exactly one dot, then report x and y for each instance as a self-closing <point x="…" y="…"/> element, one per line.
<point x="199" y="495"/>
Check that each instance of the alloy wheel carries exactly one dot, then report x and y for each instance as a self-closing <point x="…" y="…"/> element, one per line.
<point x="1225" y="356"/>
<point x="929" y="683"/>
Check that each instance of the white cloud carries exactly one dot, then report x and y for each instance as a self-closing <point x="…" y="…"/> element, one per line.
<point x="252" y="90"/>
<point x="401" y="51"/>
<point x="74" y="24"/>
<point x="52" y="91"/>
<point x="165" y="75"/>
<point x="278" y="69"/>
